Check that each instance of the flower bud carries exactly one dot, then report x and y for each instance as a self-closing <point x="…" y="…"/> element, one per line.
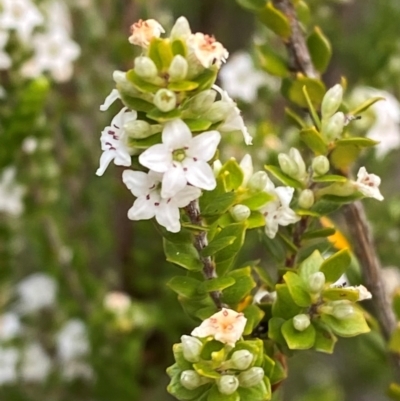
<point x="331" y="101"/>
<point x="301" y="322"/>
<point x="178" y="69"/>
<point x="240" y="212"/>
<point x="218" y="111"/>
<point x="145" y="67"/>
<point x="227" y="384"/>
<point x="217" y="166"/>
<point x="242" y="359"/>
<point x="251" y="377"/>
<point x="316" y="282"/>
<point x="333" y="126"/>
<point x="165" y="100"/>
<point x="343" y="310"/>
<point x="320" y="165"/>
<point x="138" y="129"/>
<point x="190" y="379"/>
<point x="258" y="181"/>
<point x="306" y="198"/>
<point x="123" y="84"/>
<point x="181" y="29"/>
<point x="202" y="101"/>
<point x="287" y="165"/>
<point x="295" y="155"/>
<point x="191" y="348"/>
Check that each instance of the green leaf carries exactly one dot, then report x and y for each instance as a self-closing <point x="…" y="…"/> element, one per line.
<point x="394" y="391"/>
<point x="360" y="142"/>
<point x="330" y="178"/>
<point x="281" y="176"/>
<point x="394" y="343"/>
<point x="197" y="124"/>
<point x="218" y="243"/>
<point x="206" y="369"/>
<point x="206" y="79"/>
<point x="311" y="108"/>
<point x="209" y="348"/>
<point x="257" y="200"/>
<point x="242" y="287"/>
<point x="232" y="174"/>
<point x="182" y="393"/>
<point x="324" y="341"/>
<point x="179" y="358"/>
<point x="136" y="103"/>
<point x="320" y="49"/>
<point x="182" y="86"/>
<point x="292" y="89"/>
<point x="259" y="392"/>
<point x="336" y="265"/>
<point x="184" y="286"/>
<point x="263" y="276"/>
<point x="325" y="207"/>
<point x="252" y="5"/>
<point x="182" y="254"/>
<point x="205" y="313"/>
<point x="256" y="347"/>
<point x="146" y="142"/>
<point x="310" y="265"/>
<point x="307" y="212"/>
<point x="275" y="20"/>
<point x="268" y="365"/>
<point x="295" y="118"/>
<point x="215" y="395"/>
<point x="366" y="105"/>
<point x="342" y="156"/>
<point x="163" y="117"/>
<point x="284" y="306"/>
<point x="275" y="330"/>
<point x="320" y="233"/>
<point x="298" y="339"/>
<point x="219" y="205"/>
<point x="313" y="139"/>
<point x="217" y="284"/>
<point x="297" y="289"/>
<point x="271" y="62"/>
<point x="255" y="220"/>
<point x="178" y="46"/>
<point x="337" y="294"/>
<point x="279" y="374"/>
<point x="254" y="316"/>
<point x="349" y="327"/>
<point x="160" y="52"/>
<point x="141" y="84"/>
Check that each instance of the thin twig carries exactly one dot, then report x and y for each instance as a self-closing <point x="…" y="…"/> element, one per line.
<point x="200" y="242"/>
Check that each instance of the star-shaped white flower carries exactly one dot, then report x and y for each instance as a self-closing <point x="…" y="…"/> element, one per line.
<point x="207" y="50"/>
<point x="226" y="326"/>
<point x="277" y="212"/>
<point x="182" y="158"/>
<point x="144" y="31"/>
<point x="114" y="142"/>
<point x="21" y="15"/>
<point x="368" y="184"/>
<point x="5" y="60"/>
<point x="54" y="52"/>
<point x="234" y="120"/>
<point x="150" y="203"/>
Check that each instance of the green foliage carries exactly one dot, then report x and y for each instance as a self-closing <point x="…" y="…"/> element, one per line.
<point x="275" y="20"/>
<point x="320" y="49"/>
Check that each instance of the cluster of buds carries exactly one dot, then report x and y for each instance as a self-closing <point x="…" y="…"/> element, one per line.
<point x="333" y="121"/>
<point x="215" y="361"/>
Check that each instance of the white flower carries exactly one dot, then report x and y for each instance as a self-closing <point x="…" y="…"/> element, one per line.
<point x="234" y="120"/>
<point x="8" y="365"/>
<point x="72" y="341"/>
<point x="182" y="158"/>
<point x="54" y="52"/>
<point x="149" y="203"/>
<point x="207" y="50"/>
<point x="21" y="15"/>
<point x="246" y="164"/>
<point x="144" y="31"/>
<point x="76" y="369"/>
<point x="110" y="99"/>
<point x="35" y="292"/>
<point x="117" y="302"/>
<point x="36" y="364"/>
<point x="5" y="60"/>
<point x="114" y="142"/>
<point x="264" y="296"/>
<point x="240" y="79"/>
<point x="226" y="326"/>
<point x="368" y="184"/>
<point x="277" y="212"/>
<point x="10" y="326"/>
<point x="29" y="145"/>
<point x="363" y="293"/>
<point x="10" y="193"/>
<point x="58" y="15"/>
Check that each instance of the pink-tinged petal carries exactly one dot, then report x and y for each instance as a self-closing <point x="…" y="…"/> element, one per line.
<point x="105" y="160"/>
<point x="207" y="328"/>
<point x="137" y="182"/>
<point x="142" y="209"/>
<point x="110" y="99"/>
<point x="187" y="195"/>
<point x="168" y="216"/>
<point x="174" y="180"/>
<point x="199" y="174"/>
<point x="176" y="135"/>
<point x="203" y="146"/>
<point x="157" y="158"/>
<point x="285" y="195"/>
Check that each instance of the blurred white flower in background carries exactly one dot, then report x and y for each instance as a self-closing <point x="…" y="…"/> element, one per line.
<point x="36" y="364"/>
<point x="29" y="145"/>
<point x="10" y="193"/>
<point x="5" y="60"/>
<point x="241" y="80"/>
<point x="8" y="365"/>
<point x="10" y="326"/>
<point x="117" y="302"/>
<point x="35" y="292"/>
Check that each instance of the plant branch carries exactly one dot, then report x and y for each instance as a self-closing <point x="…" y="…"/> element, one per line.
<point x="200" y="242"/>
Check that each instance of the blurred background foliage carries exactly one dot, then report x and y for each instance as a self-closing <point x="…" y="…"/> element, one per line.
<point x="75" y="228"/>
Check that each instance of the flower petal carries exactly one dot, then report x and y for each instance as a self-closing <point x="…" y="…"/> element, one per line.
<point x="203" y="146"/>
<point x="174" y="180"/>
<point x="167" y="215"/>
<point x="199" y="174"/>
<point x="286" y="216"/>
<point x="137" y="182"/>
<point x="184" y="197"/>
<point x="246" y="165"/>
<point x="105" y="160"/>
<point x="157" y="158"/>
<point x="110" y="99"/>
<point x="142" y="209"/>
<point x="176" y="135"/>
<point x="271" y="227"/>
<point x="285" y="195"/>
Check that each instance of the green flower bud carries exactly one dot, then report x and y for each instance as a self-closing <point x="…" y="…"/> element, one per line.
<point x="316" y="282"/>
<point x="240" y="212"/>
<point x="145" y="67"/>
<point x="320" y="165"/>
<point x="191" y="348"/>
<point x="218" y="111"/>
<point x="202" y="102"/>
<point x="332" y="128"/>
<point x="343" y="310"/>
<point x="251" y="377"/>
<point x="178" y="68"/>
<point x="227" y="384"/>
<point x="287" y="165"/>
<point x="123" y="84"/>
<point x="138" y="129"/>
<point x="242" y="359"/>
<point x="165" y="100"/>
<point x="190" y="379"/>
<point x="258" y="181"/>
<point x="301" y="322"/>
<point x="295" y="155"/>
<point x="181" y="29"/>
<point x="331" y="101"/>
<point x="306" y="198"/>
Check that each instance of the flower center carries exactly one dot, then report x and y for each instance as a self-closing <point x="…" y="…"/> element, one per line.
<point x="178" y="155"/>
